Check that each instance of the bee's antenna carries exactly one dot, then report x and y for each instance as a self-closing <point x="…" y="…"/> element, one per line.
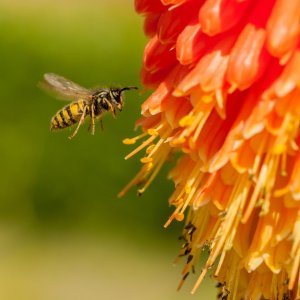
<point x="128" y="88"/>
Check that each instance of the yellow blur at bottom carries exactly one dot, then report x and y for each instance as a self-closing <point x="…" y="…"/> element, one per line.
<point x="77" y="267"/>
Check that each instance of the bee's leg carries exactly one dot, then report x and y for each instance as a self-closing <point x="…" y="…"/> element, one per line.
<point x="101" y="124"/>
<point x="79" y="123"/>
<point x="112" y="109"/>
<point x="92" y="125"/>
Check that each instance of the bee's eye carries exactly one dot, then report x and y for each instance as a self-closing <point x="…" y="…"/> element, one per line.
<point x="116" y="94"/>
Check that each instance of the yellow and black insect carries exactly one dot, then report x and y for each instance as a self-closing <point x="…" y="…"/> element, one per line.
<point x="88" y="102"/>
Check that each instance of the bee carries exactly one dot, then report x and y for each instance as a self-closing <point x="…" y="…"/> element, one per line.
<point x="88" y="102"/>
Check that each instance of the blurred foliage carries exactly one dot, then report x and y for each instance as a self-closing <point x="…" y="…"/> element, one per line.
<point x="47" y="178"/>
<point x="49" y="184"/>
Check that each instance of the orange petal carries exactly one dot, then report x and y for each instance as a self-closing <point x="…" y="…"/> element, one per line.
<point x="217" y="16"/>
<point x="158" y="56"/>
<point x="210" y="71"/>
<point x="153" y="79"/>
<point x="243" y="158"/>
<point x="244" y="236"/>
<point x="278" y="256"/>
<point x="190" y="44"/>
<point x="255" y="122"/>
<point x="172" y="22"/>
<point x="153" y="103"/>
<point x="283" y="28"/>
<point x="150" y="24"/>
<point x="148" y="122"/>
<point x="248" y="58"/>
<point x="290" y="77"/>
<point x="175" y="109"/>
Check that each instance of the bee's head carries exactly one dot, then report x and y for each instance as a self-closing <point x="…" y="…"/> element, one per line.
<point x="116" y="96"/>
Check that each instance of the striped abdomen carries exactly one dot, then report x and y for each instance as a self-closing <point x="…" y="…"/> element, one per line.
<point x="68" y="115"/>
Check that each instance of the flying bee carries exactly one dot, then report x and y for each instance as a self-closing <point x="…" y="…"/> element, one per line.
<point x="88" y="102"/>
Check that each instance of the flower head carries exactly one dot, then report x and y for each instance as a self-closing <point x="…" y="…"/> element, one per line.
<point x="226" y="80"/>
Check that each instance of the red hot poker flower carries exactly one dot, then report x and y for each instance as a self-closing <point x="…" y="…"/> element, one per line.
<point x="226" y="79"/>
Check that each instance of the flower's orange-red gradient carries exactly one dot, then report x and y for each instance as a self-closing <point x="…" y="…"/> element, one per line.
<point x="226" y="80"/>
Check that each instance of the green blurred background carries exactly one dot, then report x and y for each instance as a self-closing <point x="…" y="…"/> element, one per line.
<point x="63" y="232"/>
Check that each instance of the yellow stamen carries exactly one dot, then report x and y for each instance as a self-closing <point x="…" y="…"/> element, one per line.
<point x="162" y="158"/>
<point x="179" y="217"/>
<point x="178" y="141"/>
<point x="138" y="178"/>
<point x="207" y="98"/>
<point x="232" y="88"/>
<point x="150" y="148"/>
<point x="201" y="124"/>
<point x="146" y="160"/>
<point x="186" y="121"/>
<point x="148" y="166"/>
<point x="283" y="164"/>
<point x="279" y="148"/>
<point x="140" y="147"/>
<point x="187" y="189"/>
<point x="131" y="141"/>
<point x="266" y="177"/>
<point x="128" y="141"/>
<point x="192" y="191"/>
<point x="152" y="131"/>
<point x="194" y="121"/>
<point x="173" y="216"/>
<point x="220" y="98"/>
<point x="198" y="282"/>
<point x="295" y="269"/>
<point x="220" y="264"/>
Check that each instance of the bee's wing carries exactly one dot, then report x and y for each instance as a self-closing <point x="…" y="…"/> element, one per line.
<point x="64" y="88"/>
